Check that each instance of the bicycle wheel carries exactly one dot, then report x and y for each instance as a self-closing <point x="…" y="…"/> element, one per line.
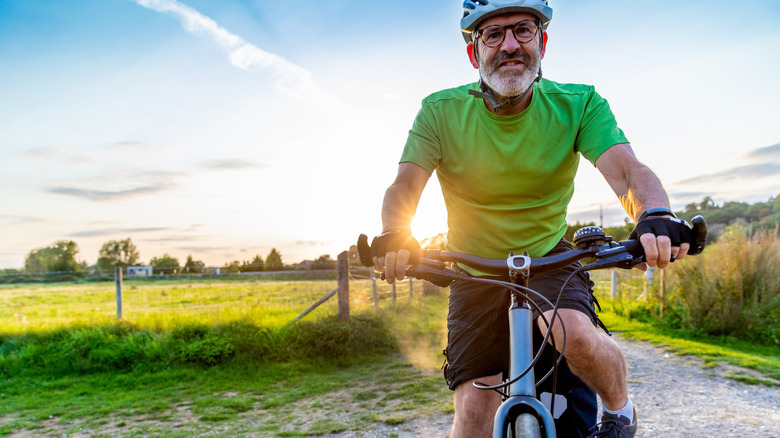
<point x="525" y="426"/>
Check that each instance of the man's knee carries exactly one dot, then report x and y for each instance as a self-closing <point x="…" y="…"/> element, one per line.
<point x="581" y="334"/>
<point x="475" y="408"/>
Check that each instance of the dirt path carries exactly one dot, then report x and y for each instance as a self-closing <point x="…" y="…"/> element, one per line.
<point x="675" y="397"/>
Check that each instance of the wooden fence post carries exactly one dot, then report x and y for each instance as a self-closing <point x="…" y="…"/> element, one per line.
<point x="411" y="287"/>
<point x="373" y="287"/>
<point x="342" y="276"/>
<point x="661" y="288"/>
<point x="614" y="282"/>
<point x="394" y="283"/>
<point x="118" y="281"/>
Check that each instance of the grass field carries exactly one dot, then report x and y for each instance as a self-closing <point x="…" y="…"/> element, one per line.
<point x="219" y="358"/>
<point x="156" y="395"/>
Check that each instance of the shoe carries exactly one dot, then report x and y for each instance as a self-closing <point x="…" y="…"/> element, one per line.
<point x="614" y="426"/>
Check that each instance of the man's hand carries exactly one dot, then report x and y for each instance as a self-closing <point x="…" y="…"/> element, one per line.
<point x="393" y="251"/>
<point x="662" y="238"/>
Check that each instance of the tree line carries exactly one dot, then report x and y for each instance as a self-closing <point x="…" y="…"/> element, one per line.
<point x="62" y="256"/>
<point x="760" y="216"/>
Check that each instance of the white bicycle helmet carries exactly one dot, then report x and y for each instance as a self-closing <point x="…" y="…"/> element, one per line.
<point x="475" y="11"/>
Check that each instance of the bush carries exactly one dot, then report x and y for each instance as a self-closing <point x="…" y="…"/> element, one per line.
<point x="123" y="347"/>
<point x="733" y="287"/>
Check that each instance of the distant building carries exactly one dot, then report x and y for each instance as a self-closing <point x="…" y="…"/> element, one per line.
<point x="305" y="265"/>
<point x="139" y="271"/>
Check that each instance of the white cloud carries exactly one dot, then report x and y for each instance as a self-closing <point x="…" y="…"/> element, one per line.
<point x="290" y="78"/>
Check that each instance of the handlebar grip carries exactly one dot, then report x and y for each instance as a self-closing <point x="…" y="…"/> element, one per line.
<point x="364" y="251"/>
<point x="634" y="247"/>
<point x="700" y="235"/>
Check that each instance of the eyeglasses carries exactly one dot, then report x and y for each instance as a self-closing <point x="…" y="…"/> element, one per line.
<point x="523" y="31"/>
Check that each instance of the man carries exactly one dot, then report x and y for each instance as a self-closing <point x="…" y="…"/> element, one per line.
<point x="506" y="151"/>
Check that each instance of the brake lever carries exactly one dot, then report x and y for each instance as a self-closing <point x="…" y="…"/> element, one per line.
<point x="614" y="257"/>
<point x="434" y="271"/>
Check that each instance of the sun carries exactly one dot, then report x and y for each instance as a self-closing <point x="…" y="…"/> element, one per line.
<point x="431" y="216"/>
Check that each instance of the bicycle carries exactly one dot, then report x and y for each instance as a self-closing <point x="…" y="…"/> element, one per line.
<point x="521" y="413"/>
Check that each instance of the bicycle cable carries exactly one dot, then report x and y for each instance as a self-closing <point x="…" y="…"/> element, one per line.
<point x="523" y="290"/>
<point x="557" y="356"/>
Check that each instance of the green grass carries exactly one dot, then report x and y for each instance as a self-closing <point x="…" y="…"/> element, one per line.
<point x="632" y="315"/>
<point x="217" y="358"/>
<point x="157" y="305"/>
<point x="220" y="358"/>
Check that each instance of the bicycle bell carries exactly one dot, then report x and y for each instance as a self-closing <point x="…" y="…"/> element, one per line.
<point x="589" y="236"/>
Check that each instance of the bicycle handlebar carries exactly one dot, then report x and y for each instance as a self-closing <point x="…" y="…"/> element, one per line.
<point x="591" y="243"/>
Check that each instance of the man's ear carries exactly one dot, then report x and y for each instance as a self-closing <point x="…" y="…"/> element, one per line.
<point x="472" y="56"/>
<point x="544" y="43"/>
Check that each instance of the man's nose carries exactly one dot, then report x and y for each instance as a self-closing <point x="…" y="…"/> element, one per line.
<point x="510" y="43"/>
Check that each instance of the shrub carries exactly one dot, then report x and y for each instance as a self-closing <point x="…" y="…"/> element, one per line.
<point x="123" y="347"/>
<point x="733" y="287"/>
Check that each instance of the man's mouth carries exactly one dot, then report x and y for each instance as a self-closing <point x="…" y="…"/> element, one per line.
<point x="512" y="62"/>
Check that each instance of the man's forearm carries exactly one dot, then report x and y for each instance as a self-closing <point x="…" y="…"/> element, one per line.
<point x="643" y="191"/>
<point x="402" y="197"/>
<point x="398" y="208"/>
<point x="635" y="184"/>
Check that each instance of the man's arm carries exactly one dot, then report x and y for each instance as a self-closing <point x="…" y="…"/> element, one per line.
<point x="639" y="189"/>
<point x="398" y="209"/>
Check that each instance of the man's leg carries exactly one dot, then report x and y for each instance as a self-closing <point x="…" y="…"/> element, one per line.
<point x="475" y="408"/>
<point x="592" y="356"/>
<point x="477" y="350"/>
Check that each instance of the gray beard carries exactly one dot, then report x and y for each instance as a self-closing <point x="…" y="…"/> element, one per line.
<point x="509" y="84"/>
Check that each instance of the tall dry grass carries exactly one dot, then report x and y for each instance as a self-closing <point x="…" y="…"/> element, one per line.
<point x="733" y="287"/>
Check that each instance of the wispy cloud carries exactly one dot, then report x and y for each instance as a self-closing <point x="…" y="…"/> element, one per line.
<point x="132" y="182"/>
<point x="57" y="155"/>
<point x="748" y="172"/>
<point x="12" y="219"/>
<point x="290" y="78"/>
<point x="765" y="153"/>
<point x="234" y="164"/>
<point x="114" y="231"/>
<point x="104" y="195"/>
<point x="200" y="249"/>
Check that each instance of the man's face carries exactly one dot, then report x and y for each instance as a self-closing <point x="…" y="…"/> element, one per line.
<point x="510" y="68"/>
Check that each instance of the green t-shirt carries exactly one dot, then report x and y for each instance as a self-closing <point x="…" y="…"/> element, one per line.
<point x="507" y="180"/>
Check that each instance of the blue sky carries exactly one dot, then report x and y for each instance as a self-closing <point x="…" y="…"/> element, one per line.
<point x="224" y="129"/>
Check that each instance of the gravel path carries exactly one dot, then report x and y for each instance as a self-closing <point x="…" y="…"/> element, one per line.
<point x="674" y="395"/>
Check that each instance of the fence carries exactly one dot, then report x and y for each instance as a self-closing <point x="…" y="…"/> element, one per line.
<point x="343" y="277"/>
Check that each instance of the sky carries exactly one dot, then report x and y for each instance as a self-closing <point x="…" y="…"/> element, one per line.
<point x="222" y="129"/>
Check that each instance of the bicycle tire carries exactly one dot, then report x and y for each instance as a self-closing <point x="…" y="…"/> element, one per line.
<point x="525" y="425"/>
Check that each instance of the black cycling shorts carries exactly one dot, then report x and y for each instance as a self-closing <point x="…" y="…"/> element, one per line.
<point x="478" y="325"/>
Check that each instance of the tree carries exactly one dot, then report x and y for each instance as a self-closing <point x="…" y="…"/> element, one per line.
<point x="117" y="254"/>
<point x="255" y="265"/>
<point x="324" y="262"/>
<point x="274" y="261"/>
<point x="61" y="256"/>
<point x="165" y="264"/>
<point x="193" y="266"/>
<point x="233" y="267"/>
<point x="707" y="203"/>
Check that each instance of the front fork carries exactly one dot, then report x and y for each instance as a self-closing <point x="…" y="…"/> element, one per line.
<point x="522" y="394"/>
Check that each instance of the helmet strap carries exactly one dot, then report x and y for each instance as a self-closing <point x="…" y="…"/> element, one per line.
<point x="487" y="94"/>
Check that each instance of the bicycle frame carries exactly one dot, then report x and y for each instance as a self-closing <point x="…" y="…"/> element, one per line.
<point x="522" y="394"/>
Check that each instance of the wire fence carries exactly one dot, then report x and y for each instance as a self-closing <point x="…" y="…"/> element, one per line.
<point x="163" y="274"/>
